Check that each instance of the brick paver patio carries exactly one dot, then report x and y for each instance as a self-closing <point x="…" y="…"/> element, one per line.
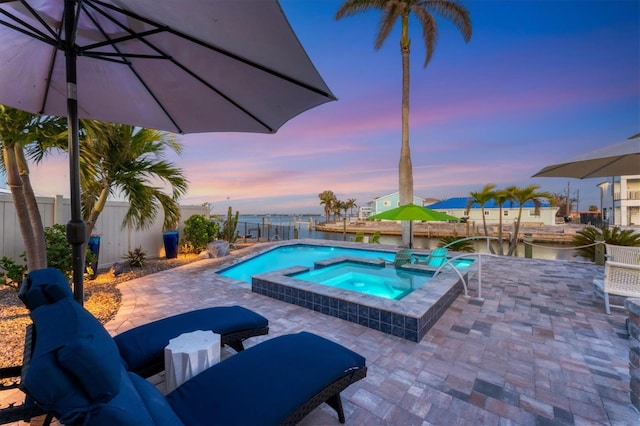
<point x="536" y="350"/>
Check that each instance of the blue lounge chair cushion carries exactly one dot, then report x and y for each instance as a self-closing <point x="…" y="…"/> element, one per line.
<point x="142" y="344"/>
<point x="87" y="358"/>
<point x="76" y="373"/>
<point x="283" y="372"/>
<point x="43" y="287"/>
<point x="74" y="363"/>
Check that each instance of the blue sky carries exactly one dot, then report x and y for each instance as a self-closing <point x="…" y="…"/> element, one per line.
<point x="540" y="82"/>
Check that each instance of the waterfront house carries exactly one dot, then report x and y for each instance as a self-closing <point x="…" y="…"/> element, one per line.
<point x="620" y="200"/>
<point x="457" y="207"/>
<point x="384" y="203"/>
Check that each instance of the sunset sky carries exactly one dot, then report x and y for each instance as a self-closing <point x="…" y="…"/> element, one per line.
<point x="540" y="82"/>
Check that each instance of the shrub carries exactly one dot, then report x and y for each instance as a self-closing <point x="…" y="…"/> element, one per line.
<point x="60" y="253"/>
<point x="587" y="237"/>
<point x="13" y="272"/>
<point x="136" y="258"/>
<point x="198" y="232"/>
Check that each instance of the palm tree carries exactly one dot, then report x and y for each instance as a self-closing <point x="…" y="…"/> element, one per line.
<point x="351" y="204"/>
<point x="393" y="10"/>
<point x="482" y="198"/>
<point x="501" y="197"/>
<point x="328" y="198"/>
<point x="19" y="130"/>
<point x="521" y="196"/>
<point x="123" y="159"/>
<point x="338" y="206"/>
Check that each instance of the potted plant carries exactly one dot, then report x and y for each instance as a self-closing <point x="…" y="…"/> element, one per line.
<point x="94" y="247"/>
<point x="170" y="237"/>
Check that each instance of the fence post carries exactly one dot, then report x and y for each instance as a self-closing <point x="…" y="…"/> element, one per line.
<point x="344" y="229"/>
<point x="528" y="248"/>
<point x="599" y="250"/>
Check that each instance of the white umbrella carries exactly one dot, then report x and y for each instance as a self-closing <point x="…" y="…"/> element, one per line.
<point x="621" y="159"/>
<point x="177" y="65"/>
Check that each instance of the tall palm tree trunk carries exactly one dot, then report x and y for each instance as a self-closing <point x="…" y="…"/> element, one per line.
<point x="405" y="168"/>
<point x="513" y="244"/>
<point x="35" y="219"/>
<point x="15" y="184"/>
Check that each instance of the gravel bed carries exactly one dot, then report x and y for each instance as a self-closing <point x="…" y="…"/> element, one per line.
<point x="102" y="299"/>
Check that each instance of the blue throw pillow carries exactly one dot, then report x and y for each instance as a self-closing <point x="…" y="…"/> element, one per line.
<point x="74" y="365"/>
<point x="44" y="287"/>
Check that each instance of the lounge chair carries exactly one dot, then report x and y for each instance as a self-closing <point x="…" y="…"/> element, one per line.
<point x="359" y="238"/>
<point x="404" y="256"/>
<point x="142" y="348"/>
<point x="73" y="371"/>
<point x="375" y="238"/>
<point x="436" y="258"/>
<point x="620" y="279"/>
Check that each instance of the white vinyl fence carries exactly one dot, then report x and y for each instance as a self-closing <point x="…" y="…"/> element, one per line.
<point x="115" y="241"/>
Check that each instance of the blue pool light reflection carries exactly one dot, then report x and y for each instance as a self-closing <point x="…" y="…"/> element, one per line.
<point x="305" y="255"/>
<point x="387" y="282"/>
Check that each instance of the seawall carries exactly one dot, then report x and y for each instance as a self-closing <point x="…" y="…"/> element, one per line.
<point x="562" y="234"/>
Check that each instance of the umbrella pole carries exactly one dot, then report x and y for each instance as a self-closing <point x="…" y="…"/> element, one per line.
<point x="76" y="228"/>
<point x="410" y="234"/>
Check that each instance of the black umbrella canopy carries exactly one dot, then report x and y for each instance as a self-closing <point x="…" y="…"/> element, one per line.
<point x="621" y="159"/>
<point x="182" y="66"/>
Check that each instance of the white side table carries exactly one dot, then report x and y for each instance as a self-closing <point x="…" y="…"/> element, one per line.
<point x="188" y="355"/>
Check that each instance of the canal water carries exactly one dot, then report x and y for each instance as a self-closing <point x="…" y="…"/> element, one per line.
<point x="286" y="227"/>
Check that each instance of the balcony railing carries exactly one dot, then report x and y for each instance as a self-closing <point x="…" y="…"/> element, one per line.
<point x="631" y="195"/>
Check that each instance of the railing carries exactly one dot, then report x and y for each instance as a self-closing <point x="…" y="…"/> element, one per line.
<point x="256" y="232"/>
<point x="528" y="244"/>
<point x="631" y="195"/>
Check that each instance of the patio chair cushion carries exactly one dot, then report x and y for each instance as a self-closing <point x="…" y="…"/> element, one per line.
<point x="43" y="287"/>
<point x="141" y="345"/>
<point x="275" y="378"/>
<point x="76" y="373"/>
<point x="74" y="363"/>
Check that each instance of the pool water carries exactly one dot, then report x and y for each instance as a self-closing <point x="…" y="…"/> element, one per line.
<point x="305" y="255"/>
<point x="387" y="282"/>
<point x="295" y="255"/>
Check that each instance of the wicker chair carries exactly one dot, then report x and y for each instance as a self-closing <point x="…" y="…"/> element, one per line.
<point x="623" y="254"/>
<point x="620" y="279"/>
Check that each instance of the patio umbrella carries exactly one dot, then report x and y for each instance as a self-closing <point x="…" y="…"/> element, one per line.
<point x="181" y="66"/>
<point x="621" y="159"/>
<point x="413" y="212"/>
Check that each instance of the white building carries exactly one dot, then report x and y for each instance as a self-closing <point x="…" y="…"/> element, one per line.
<point x="621" y="200"/>
<point x="457" y="207"/>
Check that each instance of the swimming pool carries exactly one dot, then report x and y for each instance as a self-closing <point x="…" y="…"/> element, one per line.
<point x="272" y="273"/>
<point x="307" y="255"/>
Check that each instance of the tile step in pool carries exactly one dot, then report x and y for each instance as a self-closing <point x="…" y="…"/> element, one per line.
<point x="410" y="317"/>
